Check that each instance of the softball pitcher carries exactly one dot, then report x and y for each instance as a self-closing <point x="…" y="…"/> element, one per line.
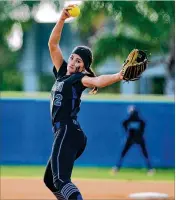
<point x="72" y="78"/>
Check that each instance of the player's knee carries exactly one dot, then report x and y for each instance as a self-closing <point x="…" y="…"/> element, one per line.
<point x="46" y="181"/>
<point x="58" y="184"/>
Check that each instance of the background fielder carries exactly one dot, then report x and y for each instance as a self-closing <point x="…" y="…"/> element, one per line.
<point x="134" y="126"/>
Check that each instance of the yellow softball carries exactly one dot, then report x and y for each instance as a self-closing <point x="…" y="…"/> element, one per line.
<point x="74" y="11"/>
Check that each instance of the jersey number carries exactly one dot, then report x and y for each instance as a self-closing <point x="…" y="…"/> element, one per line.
<point x="58" y="99"/>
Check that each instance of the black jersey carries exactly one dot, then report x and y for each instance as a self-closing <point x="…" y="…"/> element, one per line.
<point x="65" y="94"/>
<point x="134" y="125"/>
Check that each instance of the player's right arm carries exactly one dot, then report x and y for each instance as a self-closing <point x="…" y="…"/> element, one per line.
<point x="54" y="48"/>
<point x="102" y="80"/>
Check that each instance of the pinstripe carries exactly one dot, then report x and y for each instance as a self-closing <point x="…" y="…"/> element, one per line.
<point x="54" y="176"/>
<point x="68" y="190"/>
<point x="59" y="195"/>
<point x="59" y="152"/>
<point x="71" y="192"/>
<point x="65" y="187"/>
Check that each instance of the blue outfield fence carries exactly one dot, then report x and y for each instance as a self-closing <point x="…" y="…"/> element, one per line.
<point x="26" y="135"/>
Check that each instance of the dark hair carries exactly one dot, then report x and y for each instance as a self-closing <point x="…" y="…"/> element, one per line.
<point x="92" y="74"/>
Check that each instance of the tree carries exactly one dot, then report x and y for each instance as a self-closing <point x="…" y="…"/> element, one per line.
<point x="114" y="28"/>
<point x="142" y="24"/>
<point x="14" y="13"/>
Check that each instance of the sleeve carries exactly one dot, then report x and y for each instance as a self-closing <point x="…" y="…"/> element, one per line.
<point x="82" y="87"/>
<point x="76" y="80"/>
<point x="62" y="70"/>
<point x="80" y="82"/>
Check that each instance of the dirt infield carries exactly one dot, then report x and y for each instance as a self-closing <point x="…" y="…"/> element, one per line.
<point x="33" y="188"/>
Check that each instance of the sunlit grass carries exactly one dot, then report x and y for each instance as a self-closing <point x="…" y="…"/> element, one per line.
<point x="91" y="173"/>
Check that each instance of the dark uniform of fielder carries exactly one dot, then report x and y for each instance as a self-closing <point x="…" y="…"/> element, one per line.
<point x="70" y="140"/>
<point x="134" y="126"/>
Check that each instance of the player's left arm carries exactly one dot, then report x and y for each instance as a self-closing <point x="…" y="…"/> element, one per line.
<point x="101" y="81"/>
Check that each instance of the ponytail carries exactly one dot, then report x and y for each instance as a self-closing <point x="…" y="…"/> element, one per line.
<point x="92" y="74"/>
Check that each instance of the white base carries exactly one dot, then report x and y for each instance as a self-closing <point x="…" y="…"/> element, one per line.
<point x="148" y="195"/>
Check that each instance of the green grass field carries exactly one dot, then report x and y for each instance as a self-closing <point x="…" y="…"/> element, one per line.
<point x="98" y="96"/>
<point x="91" y="173"/>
